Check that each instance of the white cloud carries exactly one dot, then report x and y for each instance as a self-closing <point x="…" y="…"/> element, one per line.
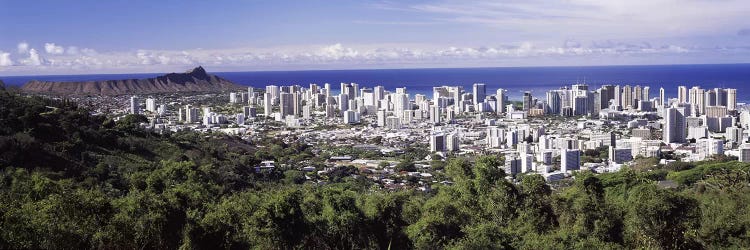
<point x="338" y="56"/>
<point x="51" y="48"/>
<point x="34" y="59"/>
<point x="23" y="48"/>
<point x="5" y="59"/>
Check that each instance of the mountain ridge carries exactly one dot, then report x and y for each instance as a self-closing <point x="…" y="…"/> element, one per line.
<point x="195" y="80"/>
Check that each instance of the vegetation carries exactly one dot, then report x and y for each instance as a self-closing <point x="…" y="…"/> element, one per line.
<point x="71" y="180"/>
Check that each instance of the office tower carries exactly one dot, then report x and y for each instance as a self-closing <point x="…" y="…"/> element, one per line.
<point x="327" y="89"/>
<point x="494" y="137"/>
<point x="618" y="97"/>
<point x="330" y="111"/>
<point x="351" y="117"/>
<point x="501" y="97"/>
<point x="637" y="94"/>
<point x="307" y="111"/>
<point x="437" y="142"/>
<point x="674" y="125"/>
<point x="606" y="94"/>
<point x="296" y="104"/>
<point x="512" y="165"/>
<point x="570" y="159"/>
<point x="721" y="97"/>
<point x="343" y="102"/>
<point x="580" y="105"/>
<point x="480" y="91"/>
<point x="135" y="105"/>
<point x="452" y="142"/>
<point x="646" y="95"/>
<point x="553" y="102"/>
<point x="267" y="104"/>
<point x="731" y="99"/>
<point x="274" y="91"/>
<point x="150" y="104"/>
<point x="286" y="104"/>
<point x="627" y="97"/>
<point x="233" y="97"/>
<point x="400" y="104"/>
<point x="240" y="119"/>
<point x="378" y="94"/>
<point x="381" y="118"/>
<point x="434" y="114"/>
<point x="682" y="94"/>
<point x="355" y="90"/>
<point x="696" y="98"/>
<point x="662" y="100"/>
<point x="527" y="98"/>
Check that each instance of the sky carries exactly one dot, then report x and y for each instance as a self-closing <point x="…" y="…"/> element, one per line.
<point x="136" y="36"/>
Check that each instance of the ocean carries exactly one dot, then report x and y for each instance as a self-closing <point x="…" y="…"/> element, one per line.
<point x="515" y="79"/>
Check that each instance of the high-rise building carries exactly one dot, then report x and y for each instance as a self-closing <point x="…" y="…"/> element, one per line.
<point x="554" y="102"/>
<point x="452" y="142"/>
<point x="570" y="159"/>
<point x="627" y="97"/>
<point x="479" y="93"/>
<point x="151" y="104"/>
<point x="527" y="98"/>
<point x="606" y="94"/>
<point x="267" y="104"/>
<point x="437" y="142"/>
<point x="637" y="93"/>
<point x="435" y="114"/>
<point x="400" y="104"/>
<point x="721" y="97"/>
<point x="731" y="99"/>
<point x="351" y="117"/>
<point x="286" y="104"/>
<point x="381" y="118"/>
<point x="501" y="98"/>
<point x="274" y="91"/>
<point x="682" y="94"/>
<point x="662" y="100"/>
<point x="618" y="97"/>
<point x="674" y="125"/>
<point x="343" y="102"/>
<point x="135" y="105"/>
<point x="646" y="95"/>
<point x="696" y="98"/>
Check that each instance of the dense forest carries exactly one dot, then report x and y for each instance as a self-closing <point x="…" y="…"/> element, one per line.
<point x="75" y="181"/>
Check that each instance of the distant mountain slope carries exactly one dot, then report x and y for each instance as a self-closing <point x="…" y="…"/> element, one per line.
<point x="196" y="80"/>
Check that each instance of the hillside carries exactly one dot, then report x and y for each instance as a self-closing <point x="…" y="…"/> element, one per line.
<point x="196" y="80"/>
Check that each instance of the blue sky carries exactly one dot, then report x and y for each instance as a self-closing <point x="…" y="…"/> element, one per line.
<point x="76" y="37"/>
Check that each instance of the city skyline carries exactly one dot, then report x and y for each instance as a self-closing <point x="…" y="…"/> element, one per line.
<point x="251" y="36"/>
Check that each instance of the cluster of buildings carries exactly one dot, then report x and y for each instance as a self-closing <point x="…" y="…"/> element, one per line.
<point x="547" y="135"/>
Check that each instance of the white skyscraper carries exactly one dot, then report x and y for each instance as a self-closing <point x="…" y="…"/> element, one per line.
<point x="151" y="104"/>
<point x="135" y="105"/>
<point x="696" y="98"/>
<point x="662" y="100"/>
<point x="267" y="104"/>
<point x="731" y="99"/>
<point x="674" y="125"/>
<point x="501" y="97"/>
<point x="682" y="94"/>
